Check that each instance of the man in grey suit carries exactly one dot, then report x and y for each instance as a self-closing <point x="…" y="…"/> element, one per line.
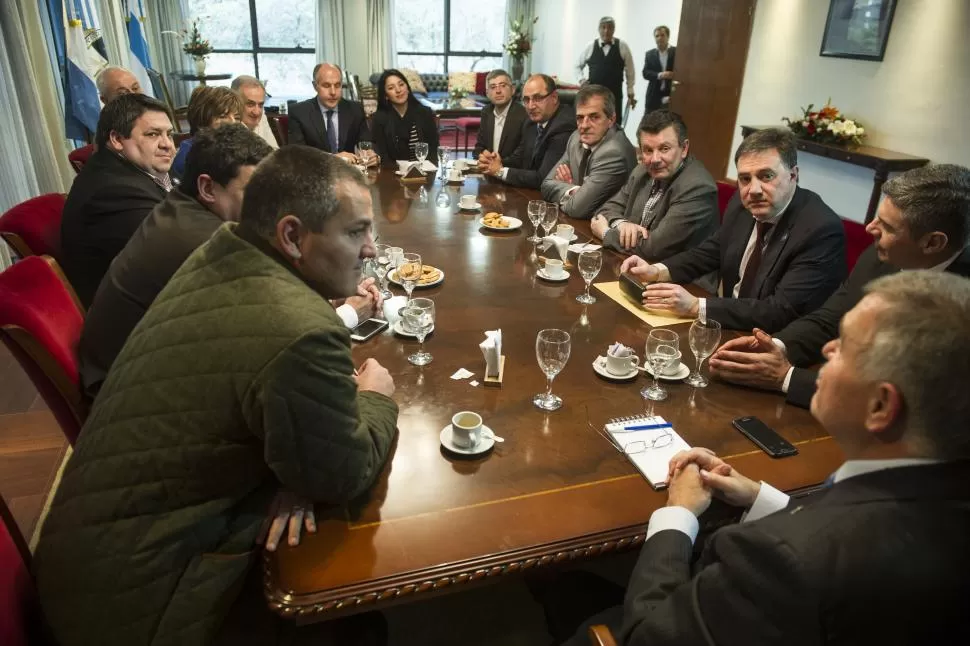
<point x="669" y="204"/>
<point x="598" y="157"/>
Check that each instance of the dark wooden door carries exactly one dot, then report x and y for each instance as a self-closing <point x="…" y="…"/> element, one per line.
<point x="712" y="47"/>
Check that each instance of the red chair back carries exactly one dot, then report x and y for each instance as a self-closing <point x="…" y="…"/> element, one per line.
<point x="40" y="321"/>
<point x="280" y="124"/>
<point x="725" y="191"/>
<point x="79" y="156"/>
<point x="19" y="608"/>
<point x="33" y="228"/>
<point x="856" y="241"/>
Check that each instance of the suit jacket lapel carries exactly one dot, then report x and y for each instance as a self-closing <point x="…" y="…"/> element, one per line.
<point x="344" y="123"/>
<point x="316" y="119"/>
<point x="778" y="240"/>
<point x="640" y="190"/>
<point x="488" y="126"/>
<point x="734" y="252"/>
<point x="510" y="123"/>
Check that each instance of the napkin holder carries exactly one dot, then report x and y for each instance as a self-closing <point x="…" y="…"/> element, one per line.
<point x="491" y="347"/>
<point x="496" y="381"/>
<point x="413" y="175"/>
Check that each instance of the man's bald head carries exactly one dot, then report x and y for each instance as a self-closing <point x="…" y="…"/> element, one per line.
<point x="114" y="81"/>
<point x="328" y="82"/>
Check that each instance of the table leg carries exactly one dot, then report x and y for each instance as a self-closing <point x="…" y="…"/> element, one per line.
<point x="878" y="180"/>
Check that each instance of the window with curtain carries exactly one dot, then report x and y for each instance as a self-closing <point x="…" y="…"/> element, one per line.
<point x="449" y="35"/>
<point x="260" y="37"/>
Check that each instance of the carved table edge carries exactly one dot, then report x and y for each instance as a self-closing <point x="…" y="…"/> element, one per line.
<point x="366" y="596"/>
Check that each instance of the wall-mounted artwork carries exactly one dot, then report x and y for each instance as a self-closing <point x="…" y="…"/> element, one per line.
<point x="857" y="29"/>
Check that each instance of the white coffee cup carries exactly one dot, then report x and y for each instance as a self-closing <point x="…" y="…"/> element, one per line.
<point x="459" y="164"/>
<point x="565" y="231"/>
<point x="466" y="429"/>
<point x="673" y="368"/>
<point x="468" y="201"/>
<point x="554" y="268"/>
<point x="621" y="365"/>
<point x="454" y="175"/>
<point x="392" y="307"/>
<point x="402" y="165"/>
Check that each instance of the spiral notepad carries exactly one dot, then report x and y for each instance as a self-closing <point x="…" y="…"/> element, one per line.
<point x="652" y="461"/>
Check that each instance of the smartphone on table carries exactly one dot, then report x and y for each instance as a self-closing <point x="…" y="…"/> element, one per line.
<point x="367" y="329"/>
<point x="764" y="437"/>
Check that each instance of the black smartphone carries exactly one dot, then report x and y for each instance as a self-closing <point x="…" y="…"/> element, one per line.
<point x="765" y="437"/>
<point x="367" y="329"/>
<point x="632" y="287"/>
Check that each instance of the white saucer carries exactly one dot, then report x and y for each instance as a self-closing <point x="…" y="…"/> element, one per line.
<point x="486" y="442"/>
<point x="599" y="367"/>
<point x="474" y="207"/>
<point x="575" y="237"/>
<point x="398" y="328"/>
<point x="541" y="273"/>
<point x="677" y="376"/>
<point x="514" y="223"/>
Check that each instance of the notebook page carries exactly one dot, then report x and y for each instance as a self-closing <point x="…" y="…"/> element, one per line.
<point x="653" y="463"/>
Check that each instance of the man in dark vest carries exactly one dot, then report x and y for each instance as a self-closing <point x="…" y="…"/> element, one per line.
<point x="608" y="59"/>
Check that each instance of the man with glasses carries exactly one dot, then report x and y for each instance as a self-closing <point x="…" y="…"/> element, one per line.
<point x="501" y="128"/>
<point x="543" y="137"/>
<point x="328" y="121"/>
<point x="598" y="157"/>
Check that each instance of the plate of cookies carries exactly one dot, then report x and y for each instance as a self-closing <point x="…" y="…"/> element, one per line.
<point x="430" y="276"/>
<point x="498" y="222"/>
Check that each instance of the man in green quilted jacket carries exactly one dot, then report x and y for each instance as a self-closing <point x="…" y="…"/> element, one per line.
<point x="236" y="384"/>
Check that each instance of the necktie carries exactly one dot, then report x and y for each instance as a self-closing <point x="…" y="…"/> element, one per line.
<point x="584" y="166"/>
<point x="535" y="149"/>
<point x="331" y="132"/>
<point x="754" y="262"/>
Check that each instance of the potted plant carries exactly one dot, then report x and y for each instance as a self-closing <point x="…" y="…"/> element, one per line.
<point x="519" y="45"/>
<point x="827" y="125"/>
<point x="197" y="47"/>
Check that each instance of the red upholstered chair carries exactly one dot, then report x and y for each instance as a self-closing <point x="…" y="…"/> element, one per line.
<point x="80" y="156"/>
<point x="468" y="125"/>
<point x="725" y="191"/>
<point x="40" y="322"/>
<point x="34" y="227"/>
<point x="19" y="608"/>
<point x="480" y="87"/>
<point x="856" y="241"/>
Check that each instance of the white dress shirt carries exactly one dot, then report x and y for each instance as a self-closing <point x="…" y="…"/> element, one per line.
<point x="499" y="126"/>
<point x="664" y="55"/>
<point x="769" y="499"/>
<point x="348" y="315"/>
<point x="266" y="133"/>
<point x="628" y="68"/>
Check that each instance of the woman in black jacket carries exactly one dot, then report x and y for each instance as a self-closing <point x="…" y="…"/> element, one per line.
<point x="401" y="121"/>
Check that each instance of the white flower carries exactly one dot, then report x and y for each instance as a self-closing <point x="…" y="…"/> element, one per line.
<point x="860" y="131"/>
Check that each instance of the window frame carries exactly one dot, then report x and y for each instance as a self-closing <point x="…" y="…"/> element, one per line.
<point x="448" y="52"/>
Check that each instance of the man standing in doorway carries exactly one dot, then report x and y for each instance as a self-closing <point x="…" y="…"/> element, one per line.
<point x="608" y="59"/>
<point x="658" y="70"/>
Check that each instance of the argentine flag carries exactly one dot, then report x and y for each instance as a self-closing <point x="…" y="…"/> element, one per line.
<point x="82" y="66"/>
<point x="140" y="62"/>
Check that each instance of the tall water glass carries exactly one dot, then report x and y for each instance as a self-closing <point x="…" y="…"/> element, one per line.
<point x="552" y="353"/>
<point x="418" y="317"/>
<point x="409" y="272"/>
<point x="590" y="263"/>
<point x="663" y="349"/>
<point x="365" y="152"/>
<point x="535" y="210"/>
<point x="383" y="262"/>
<point x="444" y="156"/>
<point x="421" y="152"/>
<point x="550" y="217"/>
<point x="704" y="337"/>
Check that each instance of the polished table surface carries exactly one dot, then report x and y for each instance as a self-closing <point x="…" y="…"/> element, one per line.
<point x="554" y="491"/>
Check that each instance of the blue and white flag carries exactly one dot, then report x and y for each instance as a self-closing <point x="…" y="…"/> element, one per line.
<point x="140" y="62"/>
<point x="81" y="69"/>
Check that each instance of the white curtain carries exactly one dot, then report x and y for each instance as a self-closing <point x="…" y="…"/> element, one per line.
<point x="525" y="9"/>
<point x="331" y="47"/>
<point x="380" y="35"/>
<point x="165" y="49"/>
<point x="114" y="31"/>
<point x="33" y="154"/>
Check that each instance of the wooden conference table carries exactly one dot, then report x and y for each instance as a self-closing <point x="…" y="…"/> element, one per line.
<point x="554" y="491"/>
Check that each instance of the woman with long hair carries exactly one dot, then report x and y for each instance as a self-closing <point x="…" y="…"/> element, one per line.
<point x="401" y="121"/>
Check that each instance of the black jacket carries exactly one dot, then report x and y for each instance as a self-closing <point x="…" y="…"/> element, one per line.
<point x="109" y="199"/>
<point x="307" y="125"/>
<point x="390" y="133"/>
<point x="656" y="88"/>
<point x="529" y="165"/>
<point x="803" y="263"/>
<point x="511" y="132"/>
<point x="805" y="337"/>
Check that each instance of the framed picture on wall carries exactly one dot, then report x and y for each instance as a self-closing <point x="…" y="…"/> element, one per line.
<point x="857" y="29"/>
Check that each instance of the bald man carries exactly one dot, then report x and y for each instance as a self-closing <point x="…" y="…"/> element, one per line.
<point x="113" y="81"/>
<point x="328" y="121"/>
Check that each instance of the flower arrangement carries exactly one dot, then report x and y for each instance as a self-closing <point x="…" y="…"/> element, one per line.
<point x="457" y="93"/>
<point x="827" y="125"/>
<point x="520" y="39"/>
<point x="195" y="45"/>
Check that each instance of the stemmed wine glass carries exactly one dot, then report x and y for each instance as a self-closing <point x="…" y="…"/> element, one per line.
<point x="418" y="318"/>
<point x="365" y="152"/>
<point x="552" y="352"/>
<point x="383" y="261"/>
<point x="590" y="263"/>
<point x="550" y="217"/>
<point x="704" y="337"/>
<point x="535" y="210"/>
<point x="444" y="156"/>
<point x="409" y="272"/>
<point x="421" y="153"/>
<point x="663" y="348"/>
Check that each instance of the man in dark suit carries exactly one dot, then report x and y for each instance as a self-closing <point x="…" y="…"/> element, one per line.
<point x="328" y="121"/>
<point x="669" y="204"/>
<point x="658" y="70"/>
<point x="780" y="250"/>
<point x="543" y="139"/>
<point x="597" y="161"/>
<point x="922" y="223"/>
<point x="879" y="556"/>
<point x="501" y="128"/>
<point x="118" y="186"/>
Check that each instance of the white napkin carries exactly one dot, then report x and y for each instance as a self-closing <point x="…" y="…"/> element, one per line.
<point x="620" y="351"/>
<point x="561" y="245"/>
<point x="461" y="373"/>
<point x="492" y="351"/>
<point x="580" y="247"/>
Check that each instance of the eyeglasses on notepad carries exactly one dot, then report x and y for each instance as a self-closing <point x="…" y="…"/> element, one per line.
<point x="663" y="439"/>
